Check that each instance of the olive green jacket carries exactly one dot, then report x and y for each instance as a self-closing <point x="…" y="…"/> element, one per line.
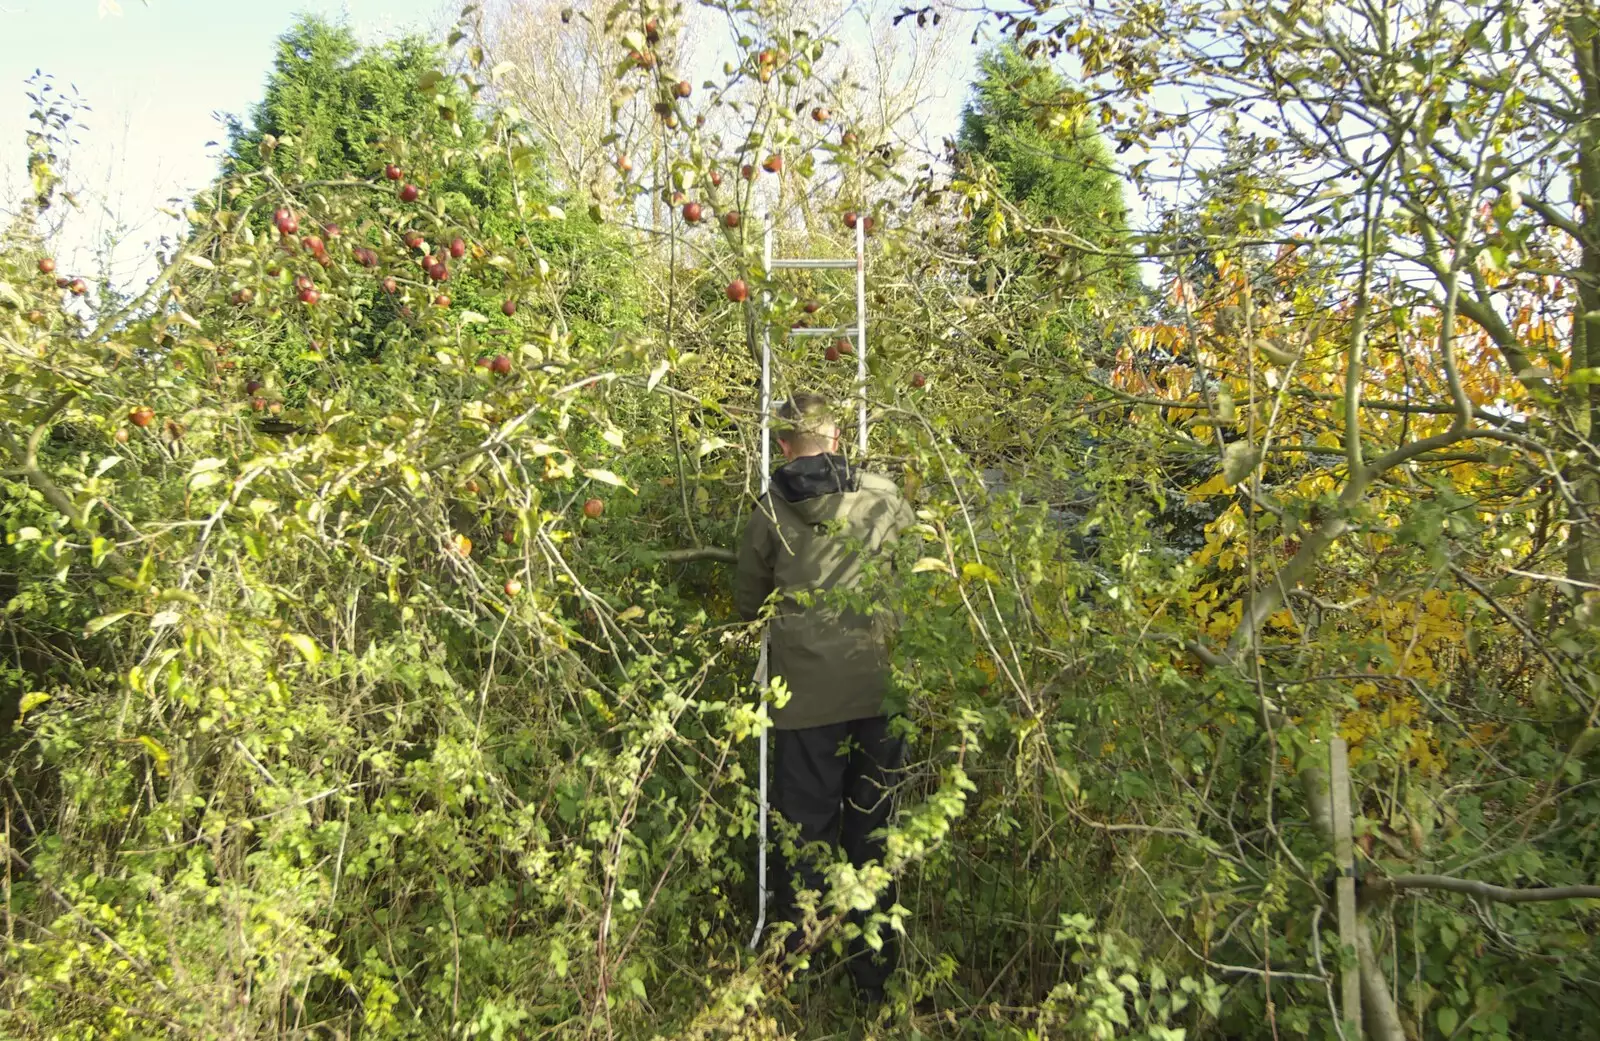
<point x="806" y="540"/>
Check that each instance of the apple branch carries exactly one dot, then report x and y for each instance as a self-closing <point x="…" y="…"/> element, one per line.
<point x="1381" y="887"/>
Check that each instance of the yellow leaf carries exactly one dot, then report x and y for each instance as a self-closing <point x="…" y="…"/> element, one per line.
<point x="30" y="701"/>
<point x="159" y="754"/>
<point x="305" y="645"/>
<point x="930" y="564"/>
<point x="975" y="570"/>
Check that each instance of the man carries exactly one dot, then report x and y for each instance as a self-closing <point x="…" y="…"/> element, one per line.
<point x="835" y="759"/>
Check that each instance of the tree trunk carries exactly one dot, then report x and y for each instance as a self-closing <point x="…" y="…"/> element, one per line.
<point x="1583" y="399"/>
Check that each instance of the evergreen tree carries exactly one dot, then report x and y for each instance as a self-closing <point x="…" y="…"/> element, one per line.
<point x="1056" y="170"/>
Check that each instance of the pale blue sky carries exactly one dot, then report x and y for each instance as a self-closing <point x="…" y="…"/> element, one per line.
<point x="155" y="76"/>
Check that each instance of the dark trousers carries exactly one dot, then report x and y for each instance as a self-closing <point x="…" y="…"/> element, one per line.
<point x="834" y="783"/>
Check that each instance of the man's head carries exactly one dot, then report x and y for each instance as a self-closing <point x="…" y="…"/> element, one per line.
<point x="806" y="427"/>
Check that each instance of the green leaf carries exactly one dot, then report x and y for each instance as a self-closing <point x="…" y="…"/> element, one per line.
<point x="1448" y="1019"/>
<point x="96" y="624"/>
<point x="607" y="477"/>
<point x="1239" y="459"/>
<point x="305" y="645"/>
<point x="430" y="79"/>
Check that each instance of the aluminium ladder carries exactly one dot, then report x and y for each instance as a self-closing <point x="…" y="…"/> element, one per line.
<point x="858" y="332"/>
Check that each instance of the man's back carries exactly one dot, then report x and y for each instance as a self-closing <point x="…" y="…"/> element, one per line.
<point x="808" y="538"/>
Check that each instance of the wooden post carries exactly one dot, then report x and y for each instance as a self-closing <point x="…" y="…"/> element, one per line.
<point x="1345" y="891"/>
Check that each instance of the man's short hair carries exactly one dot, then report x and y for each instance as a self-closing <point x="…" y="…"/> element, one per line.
<point x="806" y="422"/>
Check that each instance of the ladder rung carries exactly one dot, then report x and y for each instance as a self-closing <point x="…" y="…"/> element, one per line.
<point x="813" y="263"/>
<point x="805" y="330"/>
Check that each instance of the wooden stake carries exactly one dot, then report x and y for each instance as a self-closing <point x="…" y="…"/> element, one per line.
<point x="1345" y="887"/>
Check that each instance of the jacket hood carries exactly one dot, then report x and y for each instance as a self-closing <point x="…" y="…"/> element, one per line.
<point x="815" y="485"/>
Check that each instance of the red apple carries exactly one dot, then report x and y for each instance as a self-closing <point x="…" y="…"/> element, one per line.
<point x="691" y="212"/>
<point x="439" y="273"/>
<point x="509" y="536"/>
<point x="842" y="345"/>
<point x="766" y="58"/>
<point x="414" y="239"/>
<point x="458" y="248"/>
<point x="246" y="295"/>
<point x="280" y="215"/>
<point x="508" y="307"/>
<point x="78" y="287"/>
<point x="850" y="219"/>
<point x="624" y="164"/>
<point x="832" y="353"/>
<point x="275" y="407"/>
<point x="593" y="509"/>
<point x="737" y="291"/>
<point x="683" y="89"/>
<point x="917" y="379"/>
<point x="773" y="163"/>
<point x="652" y="30"/>
<point x="251" y="386"/>
<point x="289" y="225"/>
<point x="501" y="366"/>
<point x="46" y="265"/>
<point x="258" y="403"/>
<point x="409" y="193"/>
<point x="483" y="362"/>
<point x="63" y="282"/>
<point x="442" y="300"/>
<point x="303" y="282"/>
<point x="141" y="416"/>
<point x="309" y="296"/>
<point x="748" y="172"/>
<point x="314" y="243"/>
<point x="731" y="219"/>
<point x="812" y="307"/>
<point x="333" y="231"/>
<point x="121" y="435"/>
<point x="870" y="224"/>
<point x="392" y="172"/>
<point x="513" y="587"/>
<point x="390" y="286"/>
<point x="848" y="139"/>
<point x="820" y="114"/>
<point x="716" y="178"/>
